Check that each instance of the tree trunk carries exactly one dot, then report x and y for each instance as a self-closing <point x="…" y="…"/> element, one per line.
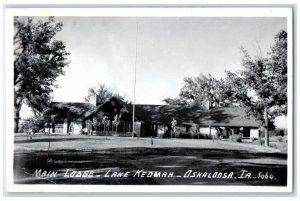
<point x="16" y="127"/>
<point x="266" y="126"/>
<point x="17" y="109"/>
<point x="210" y="131"/>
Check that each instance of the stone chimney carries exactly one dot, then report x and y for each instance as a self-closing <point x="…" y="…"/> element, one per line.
<point x="98" y="100"/>
<point x="92" y="100"/>
<point x="206" y="105"/>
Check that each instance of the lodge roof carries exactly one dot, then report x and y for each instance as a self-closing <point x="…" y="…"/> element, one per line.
<point x="224" y="116"/>
<point x="228" y="116"/>
<point x="59" y="111"/>
<point x="163" y="114"/>
<point x="110" y="108"/>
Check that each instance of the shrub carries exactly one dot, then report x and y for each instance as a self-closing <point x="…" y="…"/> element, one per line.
<point x="278" y="132"/>
<point x="214" y="137"/>
<point x="238" y="138"/>
<point x="202" y="136"/>
<point x="273" y="146"/>
<point x="167" y="134"/>
<point x="209" y="137"/>
<point x="187" y="135"/>
<point x="261" y="141"/>
<point x="36" y="124"/>
<point x="280" y="139"/>
<point x="160" y="135"/>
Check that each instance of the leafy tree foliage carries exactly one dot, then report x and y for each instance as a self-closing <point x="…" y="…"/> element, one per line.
<point x="33" y="123"/>
<point x="277" y="65"/>
<point x="38" y="60"/>
<point x="232" y="90"/>
<point x="199" y="90"/>
<point x="204" y="91"/>
<point x="265" y="80"/>
<point x="102" y="93"/>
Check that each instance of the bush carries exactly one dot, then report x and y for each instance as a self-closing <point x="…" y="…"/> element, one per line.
<point x="278" y="132"/>
<point x="273" y="146"/>
<point x="238" y="138"/>
<point x="261" y="141"/>
<point x="201" y="136"/>
<point x="280" y="139"/>
<point x="160" y="135"/>
<point x="187" y="135"/>
<point x="208" y="137"/>
<point x="34" y="123"/>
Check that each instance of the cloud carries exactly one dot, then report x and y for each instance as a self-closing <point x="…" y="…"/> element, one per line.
<point x="73" y="86"/>
<point x="150" y="94"/>
<point x="76" y="81"/>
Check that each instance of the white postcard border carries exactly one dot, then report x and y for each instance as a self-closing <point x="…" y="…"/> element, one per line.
<point x="138" y="12"/>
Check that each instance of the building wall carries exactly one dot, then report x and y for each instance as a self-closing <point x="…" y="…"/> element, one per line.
<point x="205" y="131"/>
<point x="48" y="130"/>
<point x="77" y="127"/>
<point x="58" y="128"/>
<point x="65" y="126"/>
<point x="180" y="129"/>
<point x="254" y="133"/>
<point x="137" y="128"/>
<point x="161" y="130"/>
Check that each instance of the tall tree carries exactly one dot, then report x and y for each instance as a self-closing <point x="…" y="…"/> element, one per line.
<point x="231" y="90"/>
<point x="277" y="65"/>
<point x="266" y="82"/>
<point x="38" y="60"/>
<point x="102" y="94"/>
<point x="201" y="90"/>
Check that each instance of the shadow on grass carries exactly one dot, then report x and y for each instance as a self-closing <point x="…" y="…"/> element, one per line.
<point x="36" y="140"/>
<point x="177" y="160"/>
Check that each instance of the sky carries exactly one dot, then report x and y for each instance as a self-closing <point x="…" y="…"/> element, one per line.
<point x="168" y="49"/>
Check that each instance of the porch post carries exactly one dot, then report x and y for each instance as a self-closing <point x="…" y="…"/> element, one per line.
<point x="232" y="133"/>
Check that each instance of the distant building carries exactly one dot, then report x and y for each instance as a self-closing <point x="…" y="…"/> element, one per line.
<point x="153" y="120"/>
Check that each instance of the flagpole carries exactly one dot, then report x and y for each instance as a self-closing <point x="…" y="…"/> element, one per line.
<point x="133" y="109"/>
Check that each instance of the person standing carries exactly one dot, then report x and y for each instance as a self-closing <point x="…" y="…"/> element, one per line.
<point x="89" y="127"/>
<point x="71" y="128"/>
<point x="173" y="127"/>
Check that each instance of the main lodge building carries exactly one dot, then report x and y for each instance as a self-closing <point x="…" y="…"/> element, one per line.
<point x="150" y="120"/>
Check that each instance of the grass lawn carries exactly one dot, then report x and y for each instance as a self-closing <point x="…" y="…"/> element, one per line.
<point x="280" y="145"/>
<point x="122" y="154"/>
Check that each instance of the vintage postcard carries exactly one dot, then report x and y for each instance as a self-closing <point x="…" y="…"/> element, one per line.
<point x="149" y="99"/>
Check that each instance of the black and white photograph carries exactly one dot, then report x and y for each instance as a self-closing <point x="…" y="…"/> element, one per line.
<point x="187" y="98"/>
